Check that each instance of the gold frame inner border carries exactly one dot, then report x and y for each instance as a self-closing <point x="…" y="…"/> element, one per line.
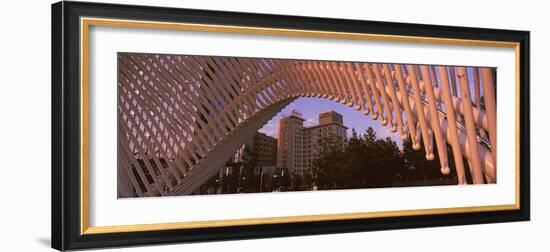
<point x="87" y="22"/>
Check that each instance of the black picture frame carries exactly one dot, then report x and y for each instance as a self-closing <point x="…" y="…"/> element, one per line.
<point x="66" y="124"/>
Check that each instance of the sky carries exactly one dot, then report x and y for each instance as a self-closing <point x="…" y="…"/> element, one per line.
<point x="310" y="108"/>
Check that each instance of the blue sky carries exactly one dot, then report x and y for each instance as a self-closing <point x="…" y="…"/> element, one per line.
<point x="311" y="107"/>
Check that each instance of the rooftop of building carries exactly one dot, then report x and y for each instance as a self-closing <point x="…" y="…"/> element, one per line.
<point x="295" y="117"/>
<point x="326" y="124"/>
<point x="260" y="134"/>
<point x="328" y="111"/>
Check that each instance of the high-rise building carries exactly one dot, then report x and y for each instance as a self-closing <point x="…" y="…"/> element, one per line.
<point x="289" y="146"/>
<point x="299" y="146"/>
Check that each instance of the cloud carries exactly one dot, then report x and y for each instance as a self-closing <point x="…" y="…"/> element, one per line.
<point x="270" y="125"/>
<point x="311" y="122"/>
<point x="269" y="131"/>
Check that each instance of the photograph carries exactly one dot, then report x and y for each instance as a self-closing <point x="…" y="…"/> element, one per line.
<point x="202" y="125"/>
<point x="175" y="124"/>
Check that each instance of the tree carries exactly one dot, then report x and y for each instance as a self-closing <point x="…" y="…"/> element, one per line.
<point x="248" y="180"/>
<point x="330" y="165"/>
<point x="383" y="159"/>
<point x="361" y="162"/>
<point x="367" y="161"/>
<point x="297" y="181"/>
<point x="418" y="168"/>
<point x="370" y="135"/>
<point x="308" y="180"/>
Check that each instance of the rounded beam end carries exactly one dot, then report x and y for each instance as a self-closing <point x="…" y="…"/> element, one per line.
<point x="445" y="170"/>
<point x="430" y="156"/>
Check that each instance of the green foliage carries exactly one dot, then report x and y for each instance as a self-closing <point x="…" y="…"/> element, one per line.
<point x="249" y="180"/>
<point x="366" y="161"/>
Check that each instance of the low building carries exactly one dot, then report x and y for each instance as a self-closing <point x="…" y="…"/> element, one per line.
<point x="264" y="149"/>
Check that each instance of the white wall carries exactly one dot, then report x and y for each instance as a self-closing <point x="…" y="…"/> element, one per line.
<point x="25" y="125"/>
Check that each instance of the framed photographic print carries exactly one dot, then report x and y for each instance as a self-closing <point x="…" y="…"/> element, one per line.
<point x="180" y="125"/>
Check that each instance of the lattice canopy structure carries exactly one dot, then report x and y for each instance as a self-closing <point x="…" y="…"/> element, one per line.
<point x="181" y="117"/>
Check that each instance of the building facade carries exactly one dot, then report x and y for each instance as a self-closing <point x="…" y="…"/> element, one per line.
<point x="289" y="146"/>
<point x="299" y="146"/>
<point x="329" y="116"/>
<point x="261" y="147"/>
<point x="264" y="149"/>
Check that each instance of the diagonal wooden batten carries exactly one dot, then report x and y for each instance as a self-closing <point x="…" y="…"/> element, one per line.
<point x="350" y="100"/>
<point x="487" y="75"/>
<point x="327" y="69"/>
<point x="434" y="115"/>
<point x="376" y="93"/>
<point x="421" y="117"/>
<point x="366" y="89"/>
<point x="396" y="108"/>
<point x="411" y="122"/>
<point x="477" y="173"/>
<point x="356" y="102"/>
<point x="353" y="77"/>
<point x="451" y="119"/>
<point x="330" y="93"/>
<point x="380" y="85"/>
